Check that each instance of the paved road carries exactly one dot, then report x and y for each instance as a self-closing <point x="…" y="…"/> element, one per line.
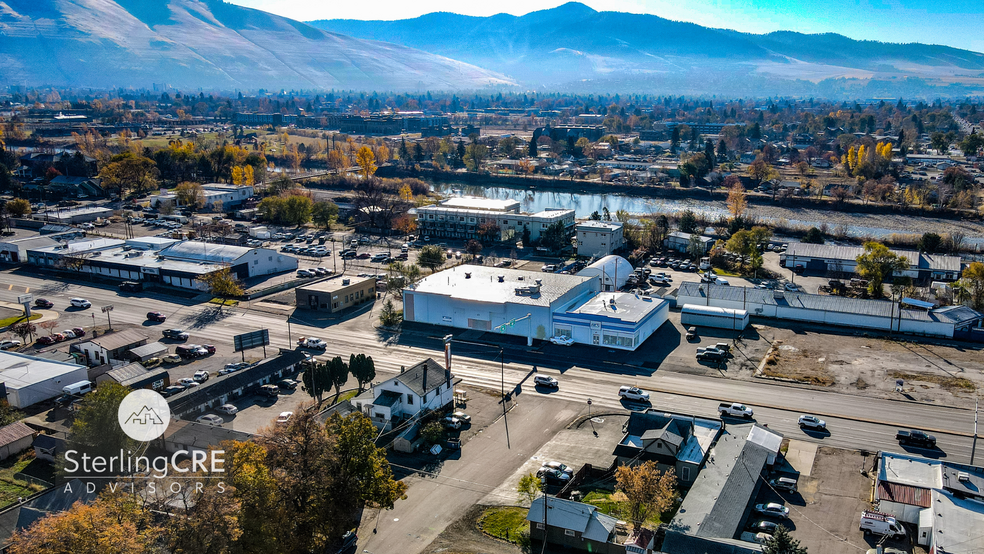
<point x="855" y="421"/>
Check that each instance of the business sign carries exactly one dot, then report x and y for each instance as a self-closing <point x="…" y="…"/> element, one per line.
<point x="251" y="340"/>
<point x="25" y="298"/>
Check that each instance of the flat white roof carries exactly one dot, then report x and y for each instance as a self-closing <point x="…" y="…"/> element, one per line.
<point x="599" y="225"/>
<point x="487" y="204"/>
<point x="81" y="246"/>
<point x="910" y="470"/>
<point x="628" y="307"/>
<point x="20" y="370"/>
<point x="957" y="524"/>
<point x="483" y="285"/>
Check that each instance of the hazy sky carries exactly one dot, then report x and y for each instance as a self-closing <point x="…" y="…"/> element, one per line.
<point x="952" y="22"/>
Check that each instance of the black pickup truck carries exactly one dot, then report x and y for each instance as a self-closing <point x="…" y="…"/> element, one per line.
<point x="917" y="438"/>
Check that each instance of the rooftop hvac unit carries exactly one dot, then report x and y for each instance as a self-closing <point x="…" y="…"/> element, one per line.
<point x="467" y="275"/>
<point x="502" y="278"/>
<point x="963" y="476"/>
<point x="346" y="282"/>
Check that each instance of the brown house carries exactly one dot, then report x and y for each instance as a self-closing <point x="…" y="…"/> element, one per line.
<point x="337" y="294"/>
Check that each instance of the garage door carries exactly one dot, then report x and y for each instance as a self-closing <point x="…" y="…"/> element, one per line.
<point x="479" y="324"/>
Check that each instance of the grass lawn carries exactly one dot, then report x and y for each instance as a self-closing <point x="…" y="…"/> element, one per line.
<point x="11" y="489"/>
<point x="602" y="499"/>
<point x="16" y="319"/>
<point x="504" y="523"/>
<point x="224" y="302"/>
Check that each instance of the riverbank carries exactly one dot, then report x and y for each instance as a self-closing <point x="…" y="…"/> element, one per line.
<point x="659" y="192"/>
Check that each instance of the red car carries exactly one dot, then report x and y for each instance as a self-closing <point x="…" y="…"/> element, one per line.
<point x="156" y="316"/>
<point x="45" y="340"/>
<point x="78" y="332"/>
<point x="58" y="337"/>
<point x="209" y="347"/>
<point x="43" y="303"/>
<point x="364" y="256"/>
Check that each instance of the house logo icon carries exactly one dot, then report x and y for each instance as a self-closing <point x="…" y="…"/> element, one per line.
<point x="144" y="415"/>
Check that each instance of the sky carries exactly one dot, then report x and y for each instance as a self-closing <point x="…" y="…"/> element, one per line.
<point x="955" y="23"/>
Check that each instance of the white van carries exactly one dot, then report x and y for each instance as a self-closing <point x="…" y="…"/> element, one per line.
<point x="80" y="388"/>
<point x="881" y="524"/>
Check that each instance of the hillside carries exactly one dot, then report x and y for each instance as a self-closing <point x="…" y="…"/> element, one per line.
<point x="205" y="44"/>
<point x="574" y="46"/>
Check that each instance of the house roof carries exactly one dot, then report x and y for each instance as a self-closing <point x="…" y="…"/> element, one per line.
<point x="938" y="262"/>
<point x="343" y="409"/>
<point x="199" y="435"/>
<point x="225" y="384"/>
<point x="48" y="442"/>
<point x="904" y="494"/>
<point x="719" y="497"/>
<point x="387" y="398"/>
<point x="682" y="543"/>
<point x="52" y="501"/>
<point x="576" y="516"/>
<point x="422" y="377"/>
<point x="118" y="339"/>
<point x="14" y="432"/>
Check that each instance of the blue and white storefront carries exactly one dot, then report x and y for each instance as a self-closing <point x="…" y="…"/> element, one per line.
<point x="612" y="320"/>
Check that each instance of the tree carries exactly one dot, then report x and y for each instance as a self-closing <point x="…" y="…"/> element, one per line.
<point x="190" y="194"/>
<point x="337" y="374"/>
<point x="222" y="283"/>
<point x="127" y="171"/>
<point x="114" y="524"/>
<point x="431" y="257"/>
<point x="648" y="491"/>
<point x="841" y="194"/>
<point x="813" y="236"/>
<point x="695" y="247"/>
<point x="389" y="316"/>
<point x="554" y="237"/>
<point x="972" y="279"/>
<point x="298" y="209"/>
<point x="359" y="466"/>
<point x="529" y="487"/>
<point x="362" y="368"/>
<point x="930" y="243"/>
<point x="18" y="207"/>
<point x="207" y="524"/>
<point x="367" y="162"/>
<point x="433" y="432"/>
<point x="737" y="202"/>
<point x="401" y="276"/>
<point x="760" y="170"/>
<point x="96" y="430"/>
<point x="940" y="142"/>
<point x="972" y="144"/>
<point x="531" y="149"/>
<point x="316" y="381"/>
<point x="257" y="493"/>
<point x="475" y="156"/>
<point x="527" y="238"/>
<point x="782" y="543"/>
<point x="877" y="264"/>
<point x="23" y="330"/>
<point x="324" y="213"/>
<point x="688" y="222"/>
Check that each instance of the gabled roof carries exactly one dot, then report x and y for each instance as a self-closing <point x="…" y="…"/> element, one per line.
<point x="576" y="516"/>
<point x="134" y="373"/>
<point x="14" y="432"/>
<point x="118" y="339"/>
<point x="645" y="427"/>
<point x="422" y="377"/>
<point x="148" y="349"/>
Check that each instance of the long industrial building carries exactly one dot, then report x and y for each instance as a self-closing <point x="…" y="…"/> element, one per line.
<point x="948" y="322"/>
<point x="161" y="260"/>
<point x="842" y="260"/>
<point x="535" y="305"/>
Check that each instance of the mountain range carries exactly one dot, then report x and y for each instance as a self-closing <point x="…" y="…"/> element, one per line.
<point x="206" y="44"/>
<point x="575" y="47"/>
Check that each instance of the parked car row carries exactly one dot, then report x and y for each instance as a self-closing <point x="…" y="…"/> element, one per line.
<point x="68" y="334"/>
<point x="315" y="272"/>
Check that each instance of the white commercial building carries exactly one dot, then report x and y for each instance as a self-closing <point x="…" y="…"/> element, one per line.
<point x="29" y="379"/>
<point x="472" y="218"/>
<point x="534" y="305"/>
<point x="598" y="238"/>
<point x="229" y="196"/>
<point x="162" y="260"/>
<point x="831" y="310"/>
<point x="681" y="242"/>
<point x="826" y="258"/>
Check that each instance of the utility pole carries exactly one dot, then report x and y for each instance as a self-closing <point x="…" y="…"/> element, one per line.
<point x="973" y="448"/>
<point x="106" y="310"/>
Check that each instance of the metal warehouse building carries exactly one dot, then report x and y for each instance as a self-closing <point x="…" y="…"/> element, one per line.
<point x="832" y="310"/>
<point x="29" y="379"/>
<point x="843" y="259"/>
<point x="534" y="305"/>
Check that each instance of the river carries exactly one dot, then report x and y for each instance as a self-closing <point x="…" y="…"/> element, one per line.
<point x="853" y="224"/>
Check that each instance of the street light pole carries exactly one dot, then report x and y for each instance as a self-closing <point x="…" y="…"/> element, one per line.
<point x="973" y="448"/>
<point x="106" y="310"/>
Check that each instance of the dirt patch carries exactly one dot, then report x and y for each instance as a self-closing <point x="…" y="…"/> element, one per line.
<point x="464" y="537"/>
<point x="861" y="384"/>
<point x="948" y="382"/>
<point x="802" y="365"/>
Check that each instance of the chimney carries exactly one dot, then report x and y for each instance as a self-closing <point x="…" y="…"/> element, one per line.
<point x="423" y="383"/>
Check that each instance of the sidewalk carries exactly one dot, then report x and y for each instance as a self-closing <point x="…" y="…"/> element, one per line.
<point x="46" y="315"/>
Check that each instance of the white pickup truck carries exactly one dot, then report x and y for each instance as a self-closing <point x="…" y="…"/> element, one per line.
<point x="735" y="410"/>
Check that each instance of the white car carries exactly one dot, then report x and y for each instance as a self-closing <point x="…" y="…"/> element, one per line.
<point x="546" y="381"/>
<point x="562" y="341"/>
<point x="633" y="393"/>
<point x="210" y="419"/>
<point x="10" y="343"/>
<point x="812" y="422"/>
<point x="228" y="409"/>
<point x="284" y="417"/>
<point x="791" y="287"/>
<point x="80" y="303"/>
<point x="559" y="467"/>
<point x="773" y="509"/>
<point x="315" y="343"/>
<point x="188" y="382"/>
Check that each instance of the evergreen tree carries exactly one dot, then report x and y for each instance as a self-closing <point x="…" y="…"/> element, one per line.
<point x="532" y="148"/>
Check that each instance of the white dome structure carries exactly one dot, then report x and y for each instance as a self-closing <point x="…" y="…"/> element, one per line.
<point x="611" y="272"/>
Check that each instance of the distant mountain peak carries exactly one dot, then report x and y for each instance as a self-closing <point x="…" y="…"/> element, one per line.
<point x="648" y="53"/>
